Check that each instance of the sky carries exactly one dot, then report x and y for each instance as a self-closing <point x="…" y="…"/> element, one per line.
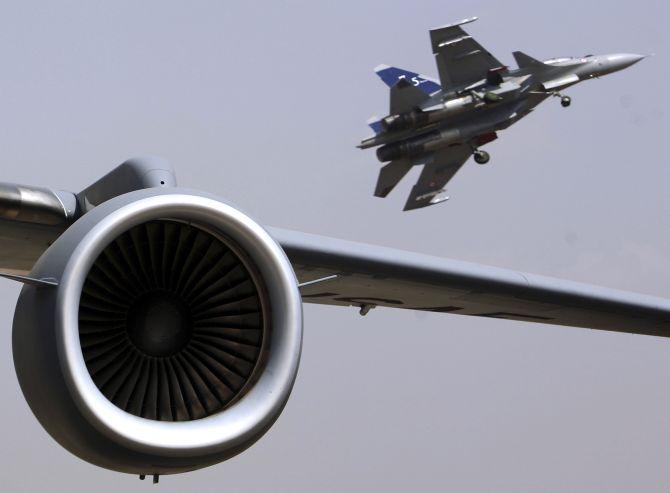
<point x="263" y="103"/>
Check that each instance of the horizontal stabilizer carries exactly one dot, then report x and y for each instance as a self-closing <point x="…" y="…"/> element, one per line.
<point x="390" y="175"/>
<point x="392" y="75"/>
<point x="523" y="60"/>
<point x="439" y="167"/>
<point x="375" y="123"/>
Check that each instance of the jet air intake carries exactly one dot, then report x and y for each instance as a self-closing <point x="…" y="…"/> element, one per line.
<point x="171" y="339"/>
<point x="190" y="318"/>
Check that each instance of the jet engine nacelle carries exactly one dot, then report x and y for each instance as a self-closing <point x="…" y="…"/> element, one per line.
<point x="419" y="145"/>
<point x="404" y="121"/>
<point x="171" y="340"/>
<point x="417" y="117"/>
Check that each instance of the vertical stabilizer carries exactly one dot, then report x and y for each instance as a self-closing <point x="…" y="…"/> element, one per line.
<point x="375" y="123"/>
<point x="523" y="60"/>
<point x="392" y="75"/>
<point x="405" y="97"/>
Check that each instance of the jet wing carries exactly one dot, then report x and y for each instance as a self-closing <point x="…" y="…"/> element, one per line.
<point x="439" y="168"/>
<point x="339" y="272"/>
<point x="460" y="59"/>
<point x="369" y="276"/>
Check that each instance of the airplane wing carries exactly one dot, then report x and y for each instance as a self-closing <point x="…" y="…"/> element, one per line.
<point x="439" y="168"/>
<point x="339" y="272"/>
<point x="460" y="59"/>
<point x="370" y="276"/>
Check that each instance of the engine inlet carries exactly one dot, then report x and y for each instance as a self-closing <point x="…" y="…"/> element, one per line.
<point x="172" y="322"/>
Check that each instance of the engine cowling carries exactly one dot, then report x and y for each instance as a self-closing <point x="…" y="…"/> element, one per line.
<point x="172" y="340"/>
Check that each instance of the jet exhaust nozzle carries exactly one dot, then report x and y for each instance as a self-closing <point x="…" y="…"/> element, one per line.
<point x="405" y="121"/>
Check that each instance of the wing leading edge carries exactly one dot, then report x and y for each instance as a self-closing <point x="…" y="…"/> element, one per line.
<point x="369" y="276"/>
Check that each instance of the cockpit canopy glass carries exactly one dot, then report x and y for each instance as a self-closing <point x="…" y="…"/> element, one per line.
<point x="557" y="60"/>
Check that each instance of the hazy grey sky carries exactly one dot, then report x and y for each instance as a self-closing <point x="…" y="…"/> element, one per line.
<point x="263" y="103"/>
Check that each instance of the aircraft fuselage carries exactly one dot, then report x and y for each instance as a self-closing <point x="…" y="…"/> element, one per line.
<point x="489" y="105"/>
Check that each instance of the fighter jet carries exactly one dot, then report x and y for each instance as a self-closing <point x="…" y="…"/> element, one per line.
<point x="441" y="124"/>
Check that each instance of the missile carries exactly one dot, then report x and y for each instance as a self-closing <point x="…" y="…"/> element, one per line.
<point x="439" y="200"/>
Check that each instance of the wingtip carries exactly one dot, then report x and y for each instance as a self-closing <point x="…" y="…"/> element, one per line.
<point x="459" y="23"/>
<point x="380" y="67"/>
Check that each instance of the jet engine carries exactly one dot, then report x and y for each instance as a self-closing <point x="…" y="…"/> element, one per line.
<point x="419" y="145"/>
<point x="162" y="333"/>
<point x="404" y="121"/>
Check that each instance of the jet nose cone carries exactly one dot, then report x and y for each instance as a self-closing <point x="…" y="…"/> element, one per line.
<point x="624" y="60"/>
<point x="631" y="58"/>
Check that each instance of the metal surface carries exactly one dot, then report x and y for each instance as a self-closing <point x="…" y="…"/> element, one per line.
<point x="317" y="281"/>
<point x="35" y="205"/>
<point x="59" y="388"/>
<point x="32" y="218"/>
<point x="137" y="173"/>
<point x="44" y="282"/>
<point x="380" y="276"/>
